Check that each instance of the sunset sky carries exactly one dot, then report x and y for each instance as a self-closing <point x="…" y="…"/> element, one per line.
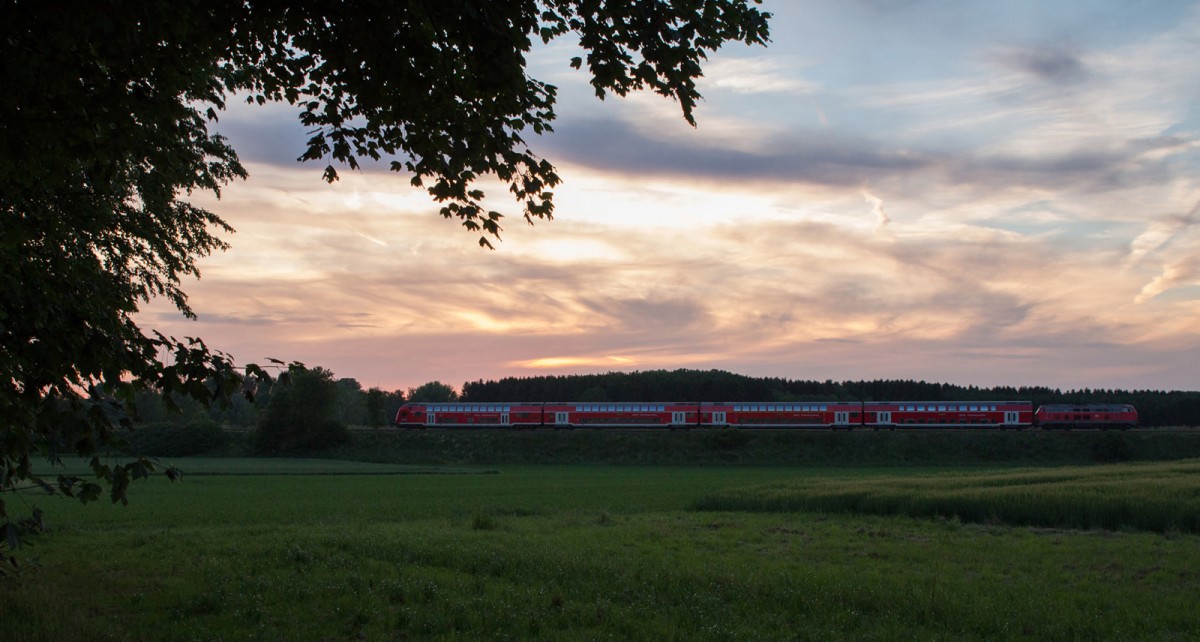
<point x="977" y="192"/>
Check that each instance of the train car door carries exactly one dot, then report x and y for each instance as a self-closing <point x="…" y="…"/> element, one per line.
<point x="718" y="418"/>
<point x="430" y="418"/>
<point x="841" y="418"/>
<point x="883" y="417"/>
<point x="504" y="420"/>
<point x="561" y="418"/>
<point x="1011" y="417"/>
<point x="678" y="418"/>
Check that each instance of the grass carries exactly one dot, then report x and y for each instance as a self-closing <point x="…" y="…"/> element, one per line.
<point x="272" y="466"/>
<point x="579" y="553"/>
<point x="1156" y="497"/>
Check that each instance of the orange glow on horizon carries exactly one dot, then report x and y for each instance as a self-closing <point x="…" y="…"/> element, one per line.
<point x="570" y="362"/>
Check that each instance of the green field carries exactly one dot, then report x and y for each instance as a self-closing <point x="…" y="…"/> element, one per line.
<point x="304" y="550"/>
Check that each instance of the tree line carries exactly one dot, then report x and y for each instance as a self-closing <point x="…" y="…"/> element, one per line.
<point x="1155" y="407"/>
<point x="306" y="410"/>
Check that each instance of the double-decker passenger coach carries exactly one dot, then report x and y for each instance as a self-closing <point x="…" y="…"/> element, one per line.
<point x="947" y="414"/>
<point x="469" y="415"/>
<point x="781" y="414"/>
<point x="620" y="415"/>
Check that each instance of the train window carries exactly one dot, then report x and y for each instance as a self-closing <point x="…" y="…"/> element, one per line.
<point x="941" y="409"/>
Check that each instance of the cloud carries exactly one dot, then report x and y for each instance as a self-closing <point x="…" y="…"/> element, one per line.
<point x="881" y="219"/>
<point x="619" y="147"/>
<point x="754" y="75"/>
<point x="1160" y="232"/>
<point x="1176" y="274"/>
<point x="1055" y="64"/>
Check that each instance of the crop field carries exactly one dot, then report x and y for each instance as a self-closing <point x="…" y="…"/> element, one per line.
<point x="303" y="550"/>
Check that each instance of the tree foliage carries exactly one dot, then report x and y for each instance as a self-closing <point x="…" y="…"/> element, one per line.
<point x="432" y="392"/>
<point x="106" y="115"/>
<point x="302" y="416"/>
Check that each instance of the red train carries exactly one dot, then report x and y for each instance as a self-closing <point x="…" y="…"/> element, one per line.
<point x="836" y="415"/>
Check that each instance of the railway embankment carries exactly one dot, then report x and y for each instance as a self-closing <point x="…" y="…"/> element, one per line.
<point x="767" y="447"/>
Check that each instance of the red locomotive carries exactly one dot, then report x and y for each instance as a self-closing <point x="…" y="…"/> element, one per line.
<point x="1094" y="415"/>
<point x="846" y="415"/>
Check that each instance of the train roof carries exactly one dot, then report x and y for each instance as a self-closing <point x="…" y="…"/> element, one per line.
<point x="1086" y="407"/>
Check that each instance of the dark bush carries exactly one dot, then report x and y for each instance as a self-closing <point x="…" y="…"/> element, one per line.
<point x="169" y="439"/>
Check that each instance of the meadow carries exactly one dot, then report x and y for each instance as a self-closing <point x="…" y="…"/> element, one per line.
<point x="320" y="550"/>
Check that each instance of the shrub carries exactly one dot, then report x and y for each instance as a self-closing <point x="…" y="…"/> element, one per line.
<point x="169" y="439"/>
